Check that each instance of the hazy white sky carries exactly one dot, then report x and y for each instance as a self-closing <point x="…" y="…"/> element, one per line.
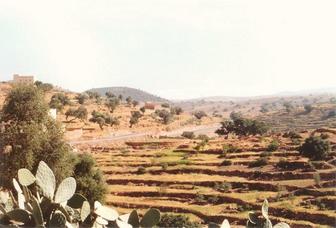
<point x="172" y="48"/>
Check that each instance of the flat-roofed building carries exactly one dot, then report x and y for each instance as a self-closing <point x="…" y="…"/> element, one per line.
<point x="20" y="79"/>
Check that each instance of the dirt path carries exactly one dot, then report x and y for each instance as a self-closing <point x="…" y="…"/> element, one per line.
<point x="117" y="136"/>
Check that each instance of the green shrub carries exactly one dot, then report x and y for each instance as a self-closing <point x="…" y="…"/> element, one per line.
<point x="324" y="136"/>
<point x="188" y="134"/>
<point x="273" y="146"/>
<point x="259" y="162"/>
<point x="199" y="114"/>
<point x="292" y="135"/>
<point x="224" y="186"/>
<point x="315" y="148"/>
<point x="265" y="154"/>
<point x="283" y="164"/>
<point x="230" y="148"/>
<point x="199" y="198"/>
<point x="226" y="163"/>
<point x="172" y="220"/>
<point x="164" y="166"/>
<point x="213" y="199"/>
<point x="141" y="170"/>
<point x="90" y="181"/>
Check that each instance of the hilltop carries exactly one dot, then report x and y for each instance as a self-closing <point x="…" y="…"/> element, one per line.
<point x="136" y="94"/>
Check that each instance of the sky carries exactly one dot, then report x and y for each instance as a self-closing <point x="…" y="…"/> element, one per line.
<point x="176" y="49"/>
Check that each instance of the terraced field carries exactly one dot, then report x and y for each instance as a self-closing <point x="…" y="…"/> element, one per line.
<point x="298" y="120"/>
<point x="170" y="175"/>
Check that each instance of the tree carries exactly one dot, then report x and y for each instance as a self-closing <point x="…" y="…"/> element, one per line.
<point x="31" y="135"/>
<point x="103" y="119"/>
<point x="120" y="97"/>
<point x="176" y="110"/>
<point x="44" y="86"/>
<point x="308" y="108"/>
<point x="82" y="97"/>
<point x="94" y="95"/>
<point x="81" y="113"/>
<point x="242" y="126"/>
<point x="143" y="109"/>
<point x="129" y="100"/>
<point x="135" y="103"/>
<point x="288" y="106"/>
<point x="166" y="116"/>
<point x="165" y="105"/>
<point x="135" y="116"/>
<point x="90" y="182"/>
<point x="112" y="104"/>
<point x="109" y="94"/>
<point x="315" y="148"/>
<point x="200" y="114"/>
<point x="58" y="101"/>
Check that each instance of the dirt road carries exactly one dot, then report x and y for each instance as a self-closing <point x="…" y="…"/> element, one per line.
<point x="202" y="129"/>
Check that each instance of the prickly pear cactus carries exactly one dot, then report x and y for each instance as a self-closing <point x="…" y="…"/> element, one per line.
<point x="65" y="190"/>
<point x="85" y="211"/>
<point x="25" y="177"/>
<point x="76" y="201"/>
<point x="225" y="224"/>
<point x="151" y="218"/>
<point x="57" y="220"/>
<point x="19" y="215"/>
<point x="46" y="180"/>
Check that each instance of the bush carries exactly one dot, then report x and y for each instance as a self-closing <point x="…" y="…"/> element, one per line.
<point x="308" y="108"/>
<point x="224" y="187"/>
<point x="230" y="148"/>
<point x="265" y="154"/>
<point x="203" y="138"/>
<point x="283" y="164"/>
<point x="273" y="146"/>
<point x="164" y="166"/>
<point x="165" y="105"/>
<point x="226" y="163"/>
<point x="90" y="182"/>
<point x="176" y="110"/>
<point x="259" y="162"/>
<point x="315" y="148"/>
<point x="141" y="170"/>
<point x="200" y="114"/>
<point x="188" y="134"/>
<point x="172" y="220"/>
<point x="82" y="98"/>
<point x="292" y="135"/>
<point x="166" y="116"/>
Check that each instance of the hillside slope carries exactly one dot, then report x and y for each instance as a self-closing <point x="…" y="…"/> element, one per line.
<point x="136" y="94"/>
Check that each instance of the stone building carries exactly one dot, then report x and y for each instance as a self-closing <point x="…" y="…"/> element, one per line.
<point x="18" y="79"/>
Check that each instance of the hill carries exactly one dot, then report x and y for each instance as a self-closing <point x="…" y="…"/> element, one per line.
<point x="136" y="94"/>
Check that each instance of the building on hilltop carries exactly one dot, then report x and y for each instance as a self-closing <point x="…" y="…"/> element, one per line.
<point x="18" y="79"/>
